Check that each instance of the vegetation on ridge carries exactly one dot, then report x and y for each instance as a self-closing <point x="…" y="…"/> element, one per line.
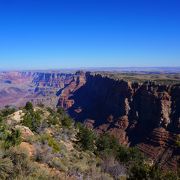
<point x="141" y="77"/>
<point x="43" y="143"/>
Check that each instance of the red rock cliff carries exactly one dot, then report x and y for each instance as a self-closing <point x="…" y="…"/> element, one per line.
<point x="144" y="114"/>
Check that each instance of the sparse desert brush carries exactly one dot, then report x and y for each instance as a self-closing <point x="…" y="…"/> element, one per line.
<point x="58" y="164"/>
<point x="32" y="139"/>
<point x="39" y="173"/>
<point x="80" y="163"/>
<point x="53" y="120"/>
<point x="6" y="168"/>
<point x="66" y="121"/>
<point x="61" y="151"/>
<point x="51" y="141"/>
<point x="22" y="165"/>
<point x="104" y="176"/>
<point x="43" y="153"/>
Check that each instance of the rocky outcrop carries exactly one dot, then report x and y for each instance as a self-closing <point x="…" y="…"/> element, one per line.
<point x="144" y="114"/>
<point x="160" y="146"/>
<point x="77" y="81"/>
<point x="25" y="131"/>
<point x="99" y="98"/>
<point x="148" y="105"/>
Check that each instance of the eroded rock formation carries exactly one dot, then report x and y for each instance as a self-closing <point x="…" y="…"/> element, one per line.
<point x="144" y="114"/>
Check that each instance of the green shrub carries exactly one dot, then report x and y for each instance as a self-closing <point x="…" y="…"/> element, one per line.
<point x="6" y="168"/>
<point x="54" y="119"/>
<point x="131" y="154"/>
<point x="135" y="155"/>
<point x="7" y="111"/>
<point x="50" y="110"/>
<point x="29" y="106"/>
<point x="61" y="111"/>
<point x="32" y="120"/>
<point x="139" y="172"/>
<point x="86" y="138"/>
<point x="1" y="119"/>
<point x="58" y="164"/>
<point x="66" y="121"/>
<point x="3" y="131"/>
<point x="107" y="144"/>
<point x="21" y="162"/>
<point x="170" y="176"/>
<point x="12" y="139"/>
<point x="146" y="172"/>
<point x="123" y="154"/>
<point x="46" y="138"/>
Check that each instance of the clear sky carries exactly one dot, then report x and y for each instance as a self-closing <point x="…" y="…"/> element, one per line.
<point x="43" y="34"/>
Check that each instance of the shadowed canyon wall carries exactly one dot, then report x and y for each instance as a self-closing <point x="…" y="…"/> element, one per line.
<point x="143" y="114"/>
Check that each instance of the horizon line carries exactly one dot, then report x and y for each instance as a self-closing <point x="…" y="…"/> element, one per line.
<point x="95" y="68"/>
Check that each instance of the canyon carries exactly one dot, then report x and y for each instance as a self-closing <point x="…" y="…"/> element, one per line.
<point x="140" y="112"/>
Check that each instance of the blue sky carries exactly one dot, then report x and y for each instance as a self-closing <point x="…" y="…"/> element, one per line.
<point x="44" y="34"/>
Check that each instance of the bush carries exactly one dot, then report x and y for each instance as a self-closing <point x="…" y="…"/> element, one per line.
<point x="7" y="111"/>
<point x="43" y="153"/>
<point x="32" y="120"/>
<point x="139" y="172"/>
<point x="42" y="174"/>
<point x="1" y="119"/>
<point x="50" y="110"/>
<point x="53" y="119"/>
<point x="21" y="162"/>
<point x="58" y="164"/>
<point x="107" y="144"/>
<point x="3" y="130"/>
<point x="12" y="139"/>
<point x="29" y="106"/>
<point x="171" y="176"/>
<point x="132" y="155"/>
<point x="123" y="154"/>
<point x="86" y="138"/>
<point x="143" y="171"/>
<point x="66" y="121"/>
<point x="51" y="142"/>
<point x="6" y="168"/>
<point x="60" y="111"/>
